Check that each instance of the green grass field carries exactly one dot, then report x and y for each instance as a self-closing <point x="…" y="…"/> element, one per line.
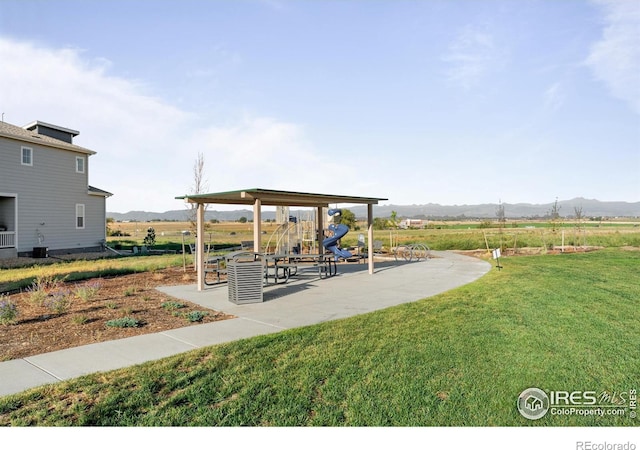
<point x="439" y="235"/>
<point x="556" y="322"/>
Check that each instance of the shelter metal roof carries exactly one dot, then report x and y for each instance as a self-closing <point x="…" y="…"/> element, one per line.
<point x="270" y="197"/>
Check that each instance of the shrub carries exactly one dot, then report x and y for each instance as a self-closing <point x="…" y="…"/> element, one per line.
<point x="59" y="302"/>
<point x="128" y="292"/>
<point x="40" y="289"/>
<point x="117" y="233"/>
<point x="171" y="306"/>
<point x="80" y="319"/>
<point x="195" y="316"/>
<point x="150" y="238"/>
<point x="8" y="311"/>
<point x="123" y="322"/>
<point x="88" y="290"/>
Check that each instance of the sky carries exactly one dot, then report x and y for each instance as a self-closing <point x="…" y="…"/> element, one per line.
<point x="450" y="102"/>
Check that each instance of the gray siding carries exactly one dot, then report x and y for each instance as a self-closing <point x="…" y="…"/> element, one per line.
<point x="48" y="192"/>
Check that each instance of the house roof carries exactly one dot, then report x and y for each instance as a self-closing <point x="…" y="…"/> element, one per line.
<point x="21" y="134"/>
<point x="270" y="197"/>
<point x="96" y="191"/>
<point x="36" y="123"/>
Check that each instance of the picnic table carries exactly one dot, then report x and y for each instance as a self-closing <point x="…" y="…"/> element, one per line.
<point x="278" y="268"/>
<point x="281" y="267"/>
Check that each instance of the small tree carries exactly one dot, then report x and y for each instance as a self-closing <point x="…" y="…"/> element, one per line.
<point x="577" y="210"/>
<point x="379" y="223"/>
<point x="502" y="220"/>
<point x="347" y="218"/>
<point x="199" y="187"/>
<point x="150" y="238"/>
<point x="394" y="219"/>
<point x="554" y="216"/>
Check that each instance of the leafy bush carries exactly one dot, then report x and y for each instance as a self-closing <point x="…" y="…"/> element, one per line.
<point x="170" y="306"/>
<point x="117" y="233"/>
<point x="8" y="311"/>
<point x="195" y="316"/>
<point x="123" y="322"/>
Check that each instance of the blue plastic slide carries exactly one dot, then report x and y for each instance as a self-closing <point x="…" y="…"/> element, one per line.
<point x="331" y="243"/>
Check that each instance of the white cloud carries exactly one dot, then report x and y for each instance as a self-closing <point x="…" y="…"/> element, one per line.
<point x="147" y="147"/>
<point x="554" y="97"/>
<point x="263" y="152"/>
<point x="472" y="55"/>
<point x="615" y="58"/>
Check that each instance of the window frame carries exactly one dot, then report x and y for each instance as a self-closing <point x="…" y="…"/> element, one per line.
<point x="84" y="164"/>
<point x="22" y="155"/>
<point x="81" y="213"/>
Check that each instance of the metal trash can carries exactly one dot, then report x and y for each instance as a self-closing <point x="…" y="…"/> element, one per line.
<point x="245" y="280"/>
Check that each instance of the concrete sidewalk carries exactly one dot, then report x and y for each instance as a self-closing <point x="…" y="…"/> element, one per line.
<point x="305" y="300"/>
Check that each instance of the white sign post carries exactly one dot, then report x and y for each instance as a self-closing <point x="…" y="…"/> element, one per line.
<point x="496" y="256"/>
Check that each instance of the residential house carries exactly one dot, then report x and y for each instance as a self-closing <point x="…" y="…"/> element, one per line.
<point x="412" y="223"/>
<point x="46" y="203"/>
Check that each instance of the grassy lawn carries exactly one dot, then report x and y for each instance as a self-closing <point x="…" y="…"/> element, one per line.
<point x="21" y="278"/>
<point x="559" y="323"/>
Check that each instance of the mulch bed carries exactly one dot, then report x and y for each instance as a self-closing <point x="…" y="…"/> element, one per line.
<point x="39" y="329"/>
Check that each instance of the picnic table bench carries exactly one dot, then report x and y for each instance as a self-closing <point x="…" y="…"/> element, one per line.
<point x="214" y="267"/>
<point x="284" y="266"/>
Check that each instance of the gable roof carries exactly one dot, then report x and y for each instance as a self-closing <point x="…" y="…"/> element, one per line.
<point x="20" y="134"/>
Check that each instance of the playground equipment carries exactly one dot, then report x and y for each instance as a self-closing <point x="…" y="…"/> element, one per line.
<point x="293" y="235"/>
<point x="338" y="230"/>
<point x="296" y="235"/>
<point x="284" y="236"/>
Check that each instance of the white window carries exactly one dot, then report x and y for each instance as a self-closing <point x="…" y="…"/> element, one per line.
<point x="79" y="164"/>
<point x="80" y="216"/>
<point x="27" y="156"/>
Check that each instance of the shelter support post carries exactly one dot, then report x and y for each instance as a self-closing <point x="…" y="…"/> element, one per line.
<point x="320" y="230"/>
<point x="200" y="245"/>
<point x="370" y="236"/>
<point x="257" y="225"/>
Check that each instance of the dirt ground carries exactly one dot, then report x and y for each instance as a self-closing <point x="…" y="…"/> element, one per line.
<point x="39" y="329"/>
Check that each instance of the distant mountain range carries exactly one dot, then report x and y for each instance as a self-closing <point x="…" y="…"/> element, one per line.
<point x="590" y="208"/>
